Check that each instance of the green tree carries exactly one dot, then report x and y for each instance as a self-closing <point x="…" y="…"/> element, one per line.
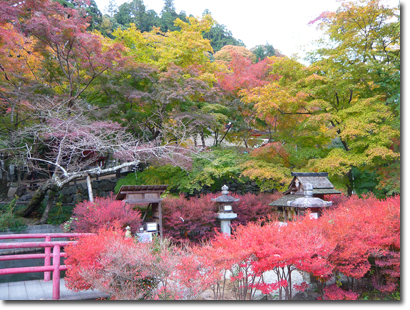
<point x="220" y="36"/>
<point x="111" y="8"/>
<point x="263" y="51"/>
<point x="134" y="12"/>
<point x="169" y="15"/>
<point x="360" y="53"/>
<point x="88" y="9"/>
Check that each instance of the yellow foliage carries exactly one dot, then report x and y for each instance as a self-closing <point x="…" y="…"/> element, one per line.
<point x="224" y="55"/>
<point x="183" y="48"/>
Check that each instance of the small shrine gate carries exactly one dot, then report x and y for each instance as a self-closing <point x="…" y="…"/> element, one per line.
<point x="145" y="194"/>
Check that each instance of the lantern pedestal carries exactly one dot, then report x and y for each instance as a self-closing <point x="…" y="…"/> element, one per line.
<point x="226" y="219"/>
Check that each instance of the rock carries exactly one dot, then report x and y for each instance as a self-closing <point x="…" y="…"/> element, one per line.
<point x="26" y="197"/>
<point x="69" y="190"/>
<point x="306" y="295"/>
<point x="77" y="198"/>
<point x="107" y="186"/>
<point x="21" y="191"/>
<point x="67" y="199"/>
<point x="261" y="297"/>
<point x="95" y="184"/>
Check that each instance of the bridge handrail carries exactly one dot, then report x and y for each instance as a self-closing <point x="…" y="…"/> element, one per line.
<point x="47" y="245"/>
<point x="43" y="235"/>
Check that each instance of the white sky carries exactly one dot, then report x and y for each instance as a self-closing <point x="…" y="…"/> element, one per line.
<point x="281" y="23"/>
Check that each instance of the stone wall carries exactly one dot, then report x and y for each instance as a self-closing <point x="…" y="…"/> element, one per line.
<point x="79" y="192"/>
<point x="103" y="188"/>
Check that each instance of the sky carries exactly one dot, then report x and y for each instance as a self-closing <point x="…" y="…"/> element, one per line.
<point x="281" y="23"/>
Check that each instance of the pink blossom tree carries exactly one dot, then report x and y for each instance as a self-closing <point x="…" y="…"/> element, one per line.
<point x="72" y="142"/>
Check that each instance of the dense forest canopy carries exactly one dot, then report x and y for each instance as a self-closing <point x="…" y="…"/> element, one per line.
<point x="172" y="79"/>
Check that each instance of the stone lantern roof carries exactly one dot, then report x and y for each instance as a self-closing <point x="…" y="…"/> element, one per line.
<point x="319" y="181"/>
<point x="225" y="198"/>
<point x="308" y="201"/>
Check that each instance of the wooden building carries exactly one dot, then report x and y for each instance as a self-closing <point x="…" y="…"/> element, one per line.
<point x="321" y="187"/>
<point x="145" y="194"/>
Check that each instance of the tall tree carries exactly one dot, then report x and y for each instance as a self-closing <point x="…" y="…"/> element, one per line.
<point x="220" y="36"/>
<point x="361" y="51"/>
<point x="88" y="9"/>
<point x="169" y="15"/>
<point x="48" y="58"/>
<point x="111" y="8"/>
<point x="341" y="103"/>
<point x="263" y="51"/>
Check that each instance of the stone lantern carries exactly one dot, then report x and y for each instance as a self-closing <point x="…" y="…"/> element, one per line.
<point x="314" y="204"/>
<point x="225" y="213"/>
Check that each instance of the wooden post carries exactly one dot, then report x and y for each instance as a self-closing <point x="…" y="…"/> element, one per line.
<point x="160" y="220"/>
<point x="47" y="260"/>
<point x="56" y="272"/>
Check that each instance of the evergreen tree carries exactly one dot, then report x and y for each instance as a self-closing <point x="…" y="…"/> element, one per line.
<point x="112" y="8"/>
<point x="263" y="51"/>
<point x="90" y="10"/>
<point x="169" y="15"/>
<point x="135" y="12"/>
<point x="123" y="15"/>
<point x="220" y="36"/>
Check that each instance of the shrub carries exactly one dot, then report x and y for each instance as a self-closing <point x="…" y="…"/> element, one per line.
<point x="195" y="219"/>
<point x="337" y="199"/>
<point x="251" y="208"/>
<point x="103" y="212"/>
<point x="366" y="236"/>
<point x="155" y="175"/>
<point x="124" y="268"/>
<point x="333" y="292"/>
<point x="189" y="220"/>
<point x="8" y="220"/>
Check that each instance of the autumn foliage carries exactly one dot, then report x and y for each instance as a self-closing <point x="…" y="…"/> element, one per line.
<point x="102" y="213"/>
<point x="195" y="219"/>
<point x="121" y="267"/>
<point x="359" y="239"/>
<point x="366" y="235"/>
<point x="192" y="219"/>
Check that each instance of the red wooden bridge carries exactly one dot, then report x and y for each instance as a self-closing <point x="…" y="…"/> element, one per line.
<point x="40" y="289"/>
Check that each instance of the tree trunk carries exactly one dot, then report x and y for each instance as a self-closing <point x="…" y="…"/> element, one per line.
<point x="203" y="140"/>
<point x="245" y="141"/>
<point x="4" y="182"/>
<point x="35" y="202"/>
<point x="350" y="183"/>
<point x="51" y="196"/>
<point x="90" y="189"/>
<point x="18" y="172"/>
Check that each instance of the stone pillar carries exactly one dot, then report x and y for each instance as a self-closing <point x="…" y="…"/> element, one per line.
<point x="226" y="219"/>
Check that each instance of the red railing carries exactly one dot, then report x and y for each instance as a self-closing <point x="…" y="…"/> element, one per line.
<point x="47" y="245"/>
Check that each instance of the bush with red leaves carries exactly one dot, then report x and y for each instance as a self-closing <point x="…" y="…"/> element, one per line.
<point x="103" y="212"/>
<point x="129" y="270"/>
<point x="366" y="235"/>
<point x="195" y="219"/>
<point x="333" y="292"/>
<point x="336" y="199"/>
<point x="251" y="208"/>
<point x="189" y="220"/>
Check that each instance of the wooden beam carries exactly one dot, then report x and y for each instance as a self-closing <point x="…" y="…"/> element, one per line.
<point x="148" y="200"/>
